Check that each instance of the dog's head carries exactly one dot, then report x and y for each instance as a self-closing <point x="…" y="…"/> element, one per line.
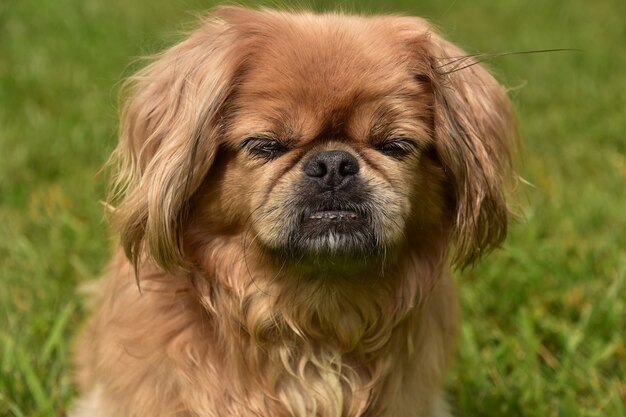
<point x="312" y="135"/>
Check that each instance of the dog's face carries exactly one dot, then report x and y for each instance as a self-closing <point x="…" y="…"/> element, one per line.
<point x="313" y="135"/>
<point x="329" y="143"/>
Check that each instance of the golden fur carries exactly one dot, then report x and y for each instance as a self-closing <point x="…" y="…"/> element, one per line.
<point x="252" y="303"/>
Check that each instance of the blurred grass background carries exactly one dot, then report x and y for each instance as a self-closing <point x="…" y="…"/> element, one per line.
<point x="543" y="320"/>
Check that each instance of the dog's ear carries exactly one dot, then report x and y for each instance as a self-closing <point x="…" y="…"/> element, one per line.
<point x="475" y="138"/>
<point x="170" y="126"/>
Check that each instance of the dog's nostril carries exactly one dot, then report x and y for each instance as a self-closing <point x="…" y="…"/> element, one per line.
<point x="316" y="168"/>
<point x="331" y="168"/>
<point x="349" y="167"/>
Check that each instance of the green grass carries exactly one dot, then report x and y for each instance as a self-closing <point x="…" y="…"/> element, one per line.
<point x="543" y="320"/>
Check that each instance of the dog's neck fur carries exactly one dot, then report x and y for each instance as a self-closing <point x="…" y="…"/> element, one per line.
<point x="311" y="346"/>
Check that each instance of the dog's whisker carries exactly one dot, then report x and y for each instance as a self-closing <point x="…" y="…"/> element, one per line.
<point x="482" y="57"/>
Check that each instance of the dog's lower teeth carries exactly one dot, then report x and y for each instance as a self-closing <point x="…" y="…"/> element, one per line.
<point x="333" y="216"/>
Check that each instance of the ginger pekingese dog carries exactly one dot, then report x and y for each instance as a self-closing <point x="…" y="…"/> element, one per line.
<point x="291" y="189"/>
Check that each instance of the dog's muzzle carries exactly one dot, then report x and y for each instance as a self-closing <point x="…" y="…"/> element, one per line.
<point x="333" y="200"/>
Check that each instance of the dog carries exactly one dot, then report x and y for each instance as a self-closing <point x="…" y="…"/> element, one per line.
<point x="291" y="191"/>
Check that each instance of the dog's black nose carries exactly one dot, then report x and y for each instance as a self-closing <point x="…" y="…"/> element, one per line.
<point x="332" y="169"/>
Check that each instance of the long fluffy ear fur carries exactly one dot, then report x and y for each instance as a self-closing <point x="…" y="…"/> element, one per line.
<point x="169" y="138"/>
<point x="475" y="139"/>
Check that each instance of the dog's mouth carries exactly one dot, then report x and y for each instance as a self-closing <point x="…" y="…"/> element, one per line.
<point x="333" y="228"/>
<point x="333" y="216"/>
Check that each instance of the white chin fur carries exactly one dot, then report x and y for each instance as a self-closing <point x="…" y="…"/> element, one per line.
<point x="332" y="242"/>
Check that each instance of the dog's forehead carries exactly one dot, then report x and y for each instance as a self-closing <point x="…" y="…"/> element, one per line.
<point x="321" y="74"/>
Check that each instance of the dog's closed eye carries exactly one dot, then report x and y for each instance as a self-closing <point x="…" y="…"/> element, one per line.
<point x="265" y="147"/>
<point x="397" y="147"/>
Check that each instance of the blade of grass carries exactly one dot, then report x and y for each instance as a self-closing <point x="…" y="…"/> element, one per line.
<point x="16" y="411"/>
<point x="55" y="337"/>
<point x="34" y="385"/>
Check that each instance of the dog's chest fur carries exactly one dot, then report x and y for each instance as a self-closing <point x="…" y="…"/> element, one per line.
<point x="232" y="351"/>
